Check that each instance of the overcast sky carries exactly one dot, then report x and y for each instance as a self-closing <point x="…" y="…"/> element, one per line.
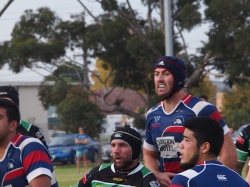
<point x="64" y="8"/>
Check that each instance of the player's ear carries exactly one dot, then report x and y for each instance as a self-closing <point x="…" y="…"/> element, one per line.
<point x="13" y="125"/>
<point x="205" y="147"/>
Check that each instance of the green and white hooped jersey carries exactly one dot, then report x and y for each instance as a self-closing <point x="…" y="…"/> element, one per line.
<point x="25" y="124"/>
<point x="107" y="176"/>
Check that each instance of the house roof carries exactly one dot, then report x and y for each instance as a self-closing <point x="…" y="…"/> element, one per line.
<point x="130" y="99"/>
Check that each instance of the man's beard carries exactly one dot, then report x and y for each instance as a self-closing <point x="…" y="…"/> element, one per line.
<point x="191" y="163"/>
<point x="165" y="96"/>
<point x="124" y="166"/>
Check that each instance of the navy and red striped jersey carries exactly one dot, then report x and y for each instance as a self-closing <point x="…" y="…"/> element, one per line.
<point x="25" y="159"/>
<point x="207" y="174"/>
<point x="164" y="131"/>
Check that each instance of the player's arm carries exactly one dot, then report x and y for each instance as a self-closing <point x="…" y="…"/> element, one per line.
<point x="239" y="167"/>
<point x="151" y="162"/>
<point x="41" y="173"/>
<point x="248" y="175"/>
<point x="228" y="155"/>
<point x="41" y="181"/>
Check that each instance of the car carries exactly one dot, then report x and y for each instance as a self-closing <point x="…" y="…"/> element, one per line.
<point x="236" y="133"/>
<point x="63" y="149"/>
<point x="58" y="133"/>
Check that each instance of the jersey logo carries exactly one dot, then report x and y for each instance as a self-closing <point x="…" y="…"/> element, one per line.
<point x="3" y="93"/>
<point x="39" y="134"/>
<point x="117" y="135"/>
<point x="222" y="177"/>
<point x="154" y="183"/>
<point x="157" y="118"/>
<point x="118" y="179"/>
<point x="178" y="120"/>
<point x="11" y="164"/>
<point x="167" y="147"/>
<point x="161" y="63"/>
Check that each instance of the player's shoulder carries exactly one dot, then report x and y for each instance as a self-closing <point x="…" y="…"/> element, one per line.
<point x="29" y="129"/>
<point x="99" y="169"/>
<point x="23" y="140"/>
<point x="190" y="173"/>
<point x="144" y="170"/>
<point x="104" y="166"/>
<point x="243" y="131"/>
<point x="180" y="179"/>
<point x="199" y="107"/>
<point x="156" y="107"/>
<point x="247" y="128"/>
<point x="191" y="100"/>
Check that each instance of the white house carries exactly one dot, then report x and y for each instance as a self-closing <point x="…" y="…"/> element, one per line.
<point x="116" y="120"/>
<point x="31" y="108"/>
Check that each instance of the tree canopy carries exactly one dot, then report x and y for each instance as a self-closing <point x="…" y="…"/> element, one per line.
<point x="76" y="111"/>
<point x="236" y="106"/>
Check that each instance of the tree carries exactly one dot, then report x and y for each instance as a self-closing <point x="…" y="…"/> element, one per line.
<point x="228" y="38"/>
<point x="204" y="88"/>
<point x="62" y="89"/>
<point x="236" y="106"/>
<point x="101" y="76"/>
<point x="76" y="111"/>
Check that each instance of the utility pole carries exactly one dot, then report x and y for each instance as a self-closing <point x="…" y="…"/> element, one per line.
<point x="5" y="7"/>
<point x="168" y="27"/>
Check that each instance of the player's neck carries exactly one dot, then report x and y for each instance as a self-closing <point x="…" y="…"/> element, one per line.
<point x="130" y="168"/>
<point x="170" y="104"/>
<point x="207" y="158"/>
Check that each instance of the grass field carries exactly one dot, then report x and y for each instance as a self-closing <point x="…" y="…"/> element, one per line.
<point x="67" y="175"/>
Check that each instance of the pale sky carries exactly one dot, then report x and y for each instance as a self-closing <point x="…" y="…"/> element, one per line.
<point x="64" y="8"/>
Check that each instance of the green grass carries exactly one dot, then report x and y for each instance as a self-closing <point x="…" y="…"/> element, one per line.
<point x="67" y="174"/>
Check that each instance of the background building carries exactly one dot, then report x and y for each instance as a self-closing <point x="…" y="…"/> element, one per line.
<point x="31" y="108"/>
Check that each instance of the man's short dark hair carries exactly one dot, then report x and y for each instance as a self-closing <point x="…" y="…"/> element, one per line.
<point x="206" y="129"/>
<point x="204" y="97"/>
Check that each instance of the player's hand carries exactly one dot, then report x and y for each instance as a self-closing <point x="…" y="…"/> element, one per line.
<point x="164" y="178"/>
